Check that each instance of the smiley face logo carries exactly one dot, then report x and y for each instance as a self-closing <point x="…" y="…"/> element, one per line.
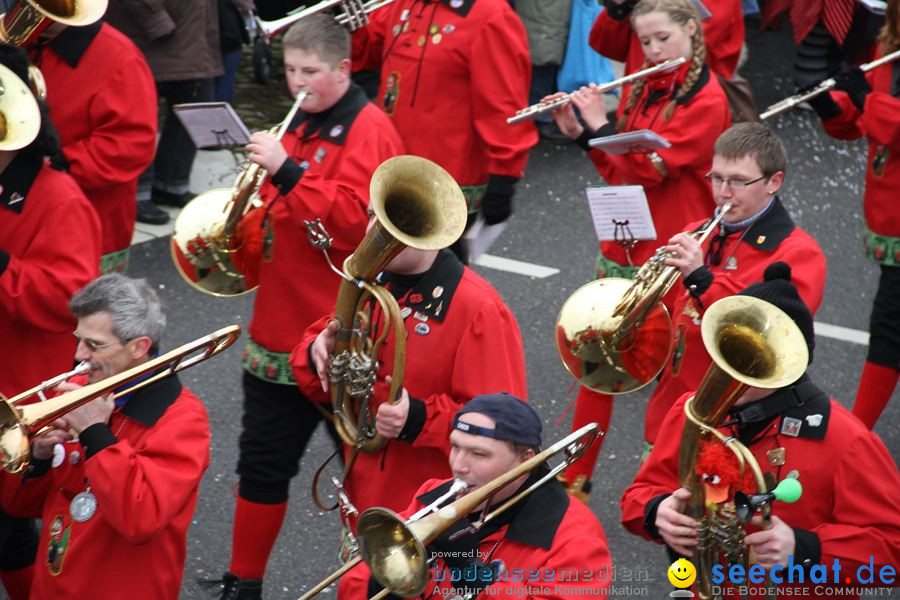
<point x="682" y="573"/>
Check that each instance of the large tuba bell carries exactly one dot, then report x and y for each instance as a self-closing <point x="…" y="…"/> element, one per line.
<point x="418" y="204"/>
<point x="222" y="236"/>
<point x="24" y="22"/>
<point x="614" y="335"/>
<point x="752" y="343"/>
<point x="20" y="118"/>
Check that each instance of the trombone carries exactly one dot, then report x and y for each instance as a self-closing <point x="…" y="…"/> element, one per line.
<point x="828" y="84"/>
<point x="20" y="422"/>
<point x="394" y="548"/>
<point x="355" y="14"/>
<point x="543" y="107"/>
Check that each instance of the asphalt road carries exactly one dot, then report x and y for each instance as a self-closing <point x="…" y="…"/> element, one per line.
<point x="551" y="227"/>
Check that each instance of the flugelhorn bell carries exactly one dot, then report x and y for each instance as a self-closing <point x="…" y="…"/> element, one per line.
<point x="20" y="118"/>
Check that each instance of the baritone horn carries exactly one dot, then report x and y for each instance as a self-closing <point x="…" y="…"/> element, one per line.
<point x="20" y="423"/>
<point x="354" y="14"/>
<point x="215" y="248"/>
<point x="20" y="117"/>
<point x="751" y="343"/>
<point x="25" y="20"/>
<point x="540" y="108"/>
<point x="614" y="335"/>
<point x="394" y="548"/>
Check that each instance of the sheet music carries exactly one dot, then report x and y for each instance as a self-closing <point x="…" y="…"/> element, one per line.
<point x="631" y="142"/>
<point x="480" y="237"/>
<point x="621" y="212"/>
<point x="212" y="125"/>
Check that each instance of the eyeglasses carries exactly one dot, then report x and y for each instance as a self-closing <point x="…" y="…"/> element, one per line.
<point x="91" y="344"/>
<point x="735" y="184"/>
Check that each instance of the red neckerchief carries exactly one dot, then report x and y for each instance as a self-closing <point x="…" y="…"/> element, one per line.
<point x="670" y="80"/>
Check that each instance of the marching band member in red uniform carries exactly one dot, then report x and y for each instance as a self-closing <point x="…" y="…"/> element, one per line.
<point x="613" y="35"/>
<point x="689" y="109"/>
<point x="320" y="169"/>
<point x="462" y="341"/>
<point x="848" y="510"/>
<point x="49" y="247"/>
<point x="103" y="99"/>
<point x="869" y="106"/>
<point x="122" y="492"/>
<point x="747" y="171"/>
<point x="549" y="545"/>
<point x="452" y="71"/>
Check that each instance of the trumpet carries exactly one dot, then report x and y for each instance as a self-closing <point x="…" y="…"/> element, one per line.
<point x="826" y="85"/>
<point x="21" y="422"/>
<point x="544" y="107"/>
<point x="614" y="335"/>
<point x="394" y="548"/>
<point x="355" y="15"/>
<point x="208" y="249"/>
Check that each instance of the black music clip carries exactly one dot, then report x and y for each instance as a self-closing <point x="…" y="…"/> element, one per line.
<point x="622" y="233"/>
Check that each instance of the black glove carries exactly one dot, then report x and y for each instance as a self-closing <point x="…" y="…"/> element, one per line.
<point x="619" y="12"/>
<point x="823" y="104"/>
<point x="496" y="205"/>
<point x="853" y="81"/>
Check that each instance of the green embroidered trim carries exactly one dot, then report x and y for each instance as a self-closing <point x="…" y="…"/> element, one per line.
<point x="882" y="249"/>
<point x="473" y="195"/>
<point x="273" y="367"/>
<point x="605" y="267"/>
<point x="114" y="261"/>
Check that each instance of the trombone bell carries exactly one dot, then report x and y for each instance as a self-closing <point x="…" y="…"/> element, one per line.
<point x="394" y="552"/>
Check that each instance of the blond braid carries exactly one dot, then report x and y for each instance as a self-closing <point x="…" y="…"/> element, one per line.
<point x="693" y="74"/>
<point x="633" y="97"/>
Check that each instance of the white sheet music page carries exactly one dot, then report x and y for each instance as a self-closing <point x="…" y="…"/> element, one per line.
<point x="212" y="125"/>
<point x="630" y="142"/>
<point x="621" y="213"/>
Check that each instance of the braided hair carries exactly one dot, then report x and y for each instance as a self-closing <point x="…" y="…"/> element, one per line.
<point x="890" y="33"/>
<point x="680" y="12"/>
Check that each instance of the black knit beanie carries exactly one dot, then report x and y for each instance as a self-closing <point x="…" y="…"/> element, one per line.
<point x="776" y="288"/>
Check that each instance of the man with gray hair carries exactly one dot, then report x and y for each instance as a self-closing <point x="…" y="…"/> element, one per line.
<point x="122" y="491"/>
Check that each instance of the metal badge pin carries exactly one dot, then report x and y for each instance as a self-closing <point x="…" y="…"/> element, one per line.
<point x="83" y="506"/>
<point x="422" y="328"/>
<point x="59" y="455"/>
<point x="420" y="316"/>
<point x="776" y="457"/>
<point x="74" y="457"/>
<point x="437" y="292"/>
<point x="405" y="311"/>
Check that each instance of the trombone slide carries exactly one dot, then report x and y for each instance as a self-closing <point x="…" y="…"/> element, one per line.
<point x="543" y="107"/>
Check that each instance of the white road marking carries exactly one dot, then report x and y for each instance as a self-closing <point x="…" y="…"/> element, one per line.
<point x="844" y="334"/>
<point x="515" y="266"/>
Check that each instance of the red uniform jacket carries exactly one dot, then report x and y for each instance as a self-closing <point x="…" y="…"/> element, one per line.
<point x="681" y="195"/>
<point x="462" y="341"/>
<point x="451" y="74"/>
<point x="554" y="547"/>
<point x="880" y="123"/>
<point x="334" y="154"/>
<point x="103" y="101"/>
<point x="144" y="470"/>
<point x="49" y="249"/>
<point x="771" y="239"/>
<point x="849" y="482"/>
<point x="723" y="34"/>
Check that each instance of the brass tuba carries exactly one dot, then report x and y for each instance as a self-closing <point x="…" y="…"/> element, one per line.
<point x="614" y="335"/>
<point x="210" y="245"/>
<point x="752" y="343"/>
<point x="21" y="422"/>
<point x="20" y="118"/>
<point x="418" y="204"/>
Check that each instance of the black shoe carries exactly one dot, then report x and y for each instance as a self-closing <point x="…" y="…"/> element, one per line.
<point x="235" y="588"/>
<point x="169" y="199"/>
<point x="150" y="213"/>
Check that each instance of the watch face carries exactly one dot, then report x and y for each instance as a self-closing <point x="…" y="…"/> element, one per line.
<point x="83" y="506"/>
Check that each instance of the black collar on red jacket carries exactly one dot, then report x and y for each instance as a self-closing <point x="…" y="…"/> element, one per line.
<point x="73" y="42"/>
<point x="767" y="233"/>
<point x="655" y="95"/>
<point x="802" y="407"/>
<point x="333" y="124"/>
<point x="16" y="180"/>
<point x="150" y="403"/>
<point x="535" y="519"/>
<point x="433" y="293"/>
<point x="460" y="7"/>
